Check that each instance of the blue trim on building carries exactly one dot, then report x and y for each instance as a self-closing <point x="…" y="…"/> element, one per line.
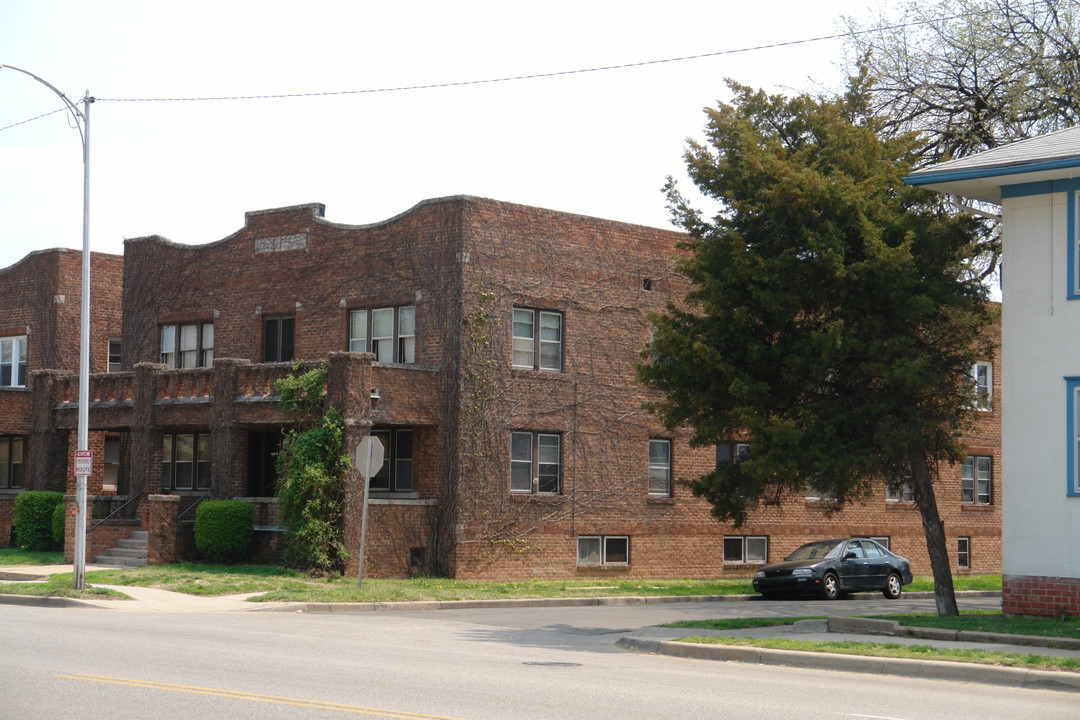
<point x="1072" y="384"/>
<point x="989" y="172"/>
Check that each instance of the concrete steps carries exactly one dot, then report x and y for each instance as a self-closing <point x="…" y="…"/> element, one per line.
<point x="131" y="551"/>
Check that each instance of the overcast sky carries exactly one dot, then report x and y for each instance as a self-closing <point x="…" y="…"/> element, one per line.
<point x="598" y="143"/>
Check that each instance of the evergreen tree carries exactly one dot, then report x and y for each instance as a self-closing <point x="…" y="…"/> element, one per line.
<point x="832" y="324"/>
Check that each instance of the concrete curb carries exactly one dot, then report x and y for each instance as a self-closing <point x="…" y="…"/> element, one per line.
<point x="923" y="669"/>
<point x="39" y="601"/>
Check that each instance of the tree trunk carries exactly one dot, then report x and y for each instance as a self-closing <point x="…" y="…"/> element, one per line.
<point x="934" y="530"/>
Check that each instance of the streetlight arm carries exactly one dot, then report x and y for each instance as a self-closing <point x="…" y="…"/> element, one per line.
<point x="80" y="118"/>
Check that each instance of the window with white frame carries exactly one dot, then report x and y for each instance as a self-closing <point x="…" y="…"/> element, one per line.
<point x="982" y="385"/>
<point x="976" y="480"/>
<point x="11" y="461"/>
<point x="660" y="467"/>
<point x="746" y="549"/>
<point x="882" y="540"/>
<point x="535" y="462"/>
<point x="603" y="550"/>
<point x="388" y="332"/>
<point x="185" y="461"/>
<point x="116" y="355"/>
<point x="819" y="492"/>
<point x="963" y="552"/>
<point x="13" y="361"/>
<point x="900" y="493"/>
<point x="537" y="339"/>
<point x="185" y="346"/>
<point x="396" y="474"/>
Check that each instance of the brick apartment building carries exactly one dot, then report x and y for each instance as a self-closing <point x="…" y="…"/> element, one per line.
<point x="490" y="346"/>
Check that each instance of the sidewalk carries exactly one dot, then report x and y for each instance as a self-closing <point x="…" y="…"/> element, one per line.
<point x="652" y="639"/>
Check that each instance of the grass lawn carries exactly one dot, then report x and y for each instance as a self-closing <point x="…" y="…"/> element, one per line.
<point x="18" y="556"/>
<point x="280" y="584"/>
<point x="895" y="650"/>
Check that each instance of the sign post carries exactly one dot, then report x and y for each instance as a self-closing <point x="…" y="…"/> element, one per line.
<point x="368" y="460"/>
<point x="84" y="467"/>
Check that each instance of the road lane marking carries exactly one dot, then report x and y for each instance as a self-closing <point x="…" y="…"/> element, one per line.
<point x="274" y="699"/>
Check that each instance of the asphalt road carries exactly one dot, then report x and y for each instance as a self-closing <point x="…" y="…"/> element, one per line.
<point x="505" y="664"/>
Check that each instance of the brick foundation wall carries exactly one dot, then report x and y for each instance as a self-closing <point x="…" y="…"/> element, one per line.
<point x="7" y="518"/>
<point x="1034" y="595"/>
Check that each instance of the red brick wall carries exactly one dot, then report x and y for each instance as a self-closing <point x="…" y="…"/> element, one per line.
<point x="1033" y="595"/>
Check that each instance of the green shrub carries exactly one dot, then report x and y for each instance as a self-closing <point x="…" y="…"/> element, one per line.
<point x="59" y="517"/>
<point x="34" y="519"/>
<point x="223" y="529"/>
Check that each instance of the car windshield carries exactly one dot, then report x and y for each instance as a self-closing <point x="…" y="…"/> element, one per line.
<point x="817" y="550"/>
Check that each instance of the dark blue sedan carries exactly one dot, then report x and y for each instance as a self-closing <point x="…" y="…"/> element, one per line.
<point x="831" y="568"/>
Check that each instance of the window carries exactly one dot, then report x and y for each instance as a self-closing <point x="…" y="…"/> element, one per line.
<point x="603" y="550"/>
<point x="731" y="452"/>
<point x="390" y="333"/>
<point x="975" y="480"/>
<point x="963" y="552"/>
<point x="982" y="380"/>
<point x="660" y="467"/>
<point x="883" y="541"/>
<point x="396" y="474"/>
<point x="13" y="361"/>
<point x="116" y="355"/>
<point x="11" y="462"/>
<point x="1072" y="429"/>
<point x="821" y="493"/>
<point x="279" y="334"/>
<point x="904" y="492"/>
<point x="112" y="463"/>
<point x="746" y="549"/>
<point x="537" y="339"/>
<point x="185" y="461"/>
<point x="535" y="462"/>
<point x="184" y="346"/>
<point x="262" y="466"/>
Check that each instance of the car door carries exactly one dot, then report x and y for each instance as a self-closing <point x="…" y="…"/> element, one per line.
<point x="877" y="565"/>
<point x="853" y="566"/>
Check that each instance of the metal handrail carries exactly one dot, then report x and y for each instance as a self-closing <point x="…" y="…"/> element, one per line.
<point x="114" y="512"/>
<point x="194" y="504"/>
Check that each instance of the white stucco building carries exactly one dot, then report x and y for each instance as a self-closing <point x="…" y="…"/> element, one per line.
<point x="1037" y="183"/>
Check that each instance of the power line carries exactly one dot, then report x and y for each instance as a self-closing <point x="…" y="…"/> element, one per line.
<point x="462" y="83"/>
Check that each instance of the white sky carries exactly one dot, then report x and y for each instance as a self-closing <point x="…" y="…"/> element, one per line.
<point x="596" y="143"/>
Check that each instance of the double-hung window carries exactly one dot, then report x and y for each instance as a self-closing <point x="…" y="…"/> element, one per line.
<point x="603" y="550"/>
<point x="746" y="549"/>
<point x="976" y="480"/>
<point x="116" y="355"/>
<point x="390" y="333"/>
<point x="11" y="462"/>
<point x="184" y="346"/>
<point x="396" y="474"/>
<point x="963" y="552"/>
<point x="185" y="461"/>
<point x="535" y="462"/>
<point x="660" y="467"/>
<point x="13" y="361"/>
<point x="982" y="385"/>
<point x="537" y="339"/>
<point x="279" y="337"/>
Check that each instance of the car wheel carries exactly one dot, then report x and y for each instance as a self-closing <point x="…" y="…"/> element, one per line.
<point x="892" y="587"/>
<point x="830" y="587"/>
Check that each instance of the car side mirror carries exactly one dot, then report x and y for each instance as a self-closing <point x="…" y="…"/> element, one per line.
<point x="850" y="555"/>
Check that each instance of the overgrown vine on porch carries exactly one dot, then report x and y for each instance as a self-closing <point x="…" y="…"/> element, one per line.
<point x="311" y="470"/>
